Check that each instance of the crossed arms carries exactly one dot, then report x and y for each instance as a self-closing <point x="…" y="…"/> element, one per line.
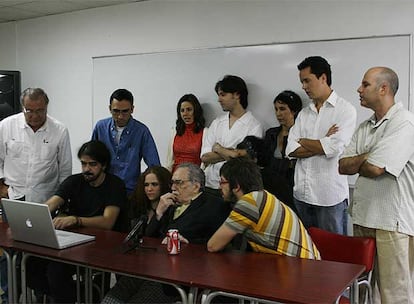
<point x="311" y="147"/>
<point x="220" y="153"/>
<point x="359" y="164"/>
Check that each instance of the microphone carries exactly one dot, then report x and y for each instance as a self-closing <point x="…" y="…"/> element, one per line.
<point x="134" y="238"/>
<point x="138" y="230"/>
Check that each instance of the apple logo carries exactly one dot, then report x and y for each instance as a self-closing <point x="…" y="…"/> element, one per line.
<point x="29" y="223"/>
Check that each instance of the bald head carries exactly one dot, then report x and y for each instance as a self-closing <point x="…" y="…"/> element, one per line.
<point x="377" y="90"/>
<point x="385" y="76"/>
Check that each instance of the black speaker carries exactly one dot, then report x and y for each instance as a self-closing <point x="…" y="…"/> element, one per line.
<point x="9" y="93"/>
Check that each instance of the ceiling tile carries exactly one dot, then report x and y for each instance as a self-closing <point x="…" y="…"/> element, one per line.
<point x="100" y="3"/>
<point x="11" y="10"/>
<point x="12" y="13"/>
<point x="49" y="7"/>
<point x="13" y="2"/>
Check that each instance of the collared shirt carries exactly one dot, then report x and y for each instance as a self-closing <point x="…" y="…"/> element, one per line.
<point x="220" y="132"/>
<point x="317" y="180"/>
<point x="270" y="226"/>
<point x="181" y="208"/>
<point x="33" y="164"/>
<point x="136" y="143"/>
<point x="385" y="202"/>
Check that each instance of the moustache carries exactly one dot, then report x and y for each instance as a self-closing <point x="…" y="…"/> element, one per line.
<point x="87" y="173"/>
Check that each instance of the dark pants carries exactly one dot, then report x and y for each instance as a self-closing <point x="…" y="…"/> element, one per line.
<point x="51" y="278"/>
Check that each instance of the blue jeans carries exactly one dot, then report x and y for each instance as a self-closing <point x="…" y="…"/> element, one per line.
<point x="3" y="279"/>
<point x="332" y="218"/>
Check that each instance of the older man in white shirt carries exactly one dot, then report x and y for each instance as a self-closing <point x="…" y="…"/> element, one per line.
<point x="35" y="154"/>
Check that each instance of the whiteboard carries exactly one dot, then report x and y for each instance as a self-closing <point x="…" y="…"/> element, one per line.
<point x="158" y="80"/>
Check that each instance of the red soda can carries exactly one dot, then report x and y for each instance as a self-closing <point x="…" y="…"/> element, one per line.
<point x="173" y="242"/>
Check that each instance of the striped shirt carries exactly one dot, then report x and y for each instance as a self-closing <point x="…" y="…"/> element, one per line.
<point x="270" y="226"/>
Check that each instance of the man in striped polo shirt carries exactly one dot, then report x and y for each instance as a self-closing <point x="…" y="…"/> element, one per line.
<point x="268" y="225"/>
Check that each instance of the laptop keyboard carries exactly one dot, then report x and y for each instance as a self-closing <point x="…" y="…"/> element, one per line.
<point x="68" y="237"/>
<point x="63" y="234"/>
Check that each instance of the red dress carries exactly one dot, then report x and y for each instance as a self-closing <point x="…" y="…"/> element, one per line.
<point x="187" y="147"/>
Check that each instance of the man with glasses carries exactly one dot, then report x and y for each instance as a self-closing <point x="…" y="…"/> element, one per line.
<point x="35" y="153"/>
<point x="195" y="213"/>
<point x="268" y="225"/>
<point x="128" y="139"/>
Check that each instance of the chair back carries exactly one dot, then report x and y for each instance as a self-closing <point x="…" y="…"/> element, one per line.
<point x="343" y="248"/>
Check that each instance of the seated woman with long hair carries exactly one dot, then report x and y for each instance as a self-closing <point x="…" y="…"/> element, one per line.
<point x="153" y="183"/>
<point x="187" y="136"/>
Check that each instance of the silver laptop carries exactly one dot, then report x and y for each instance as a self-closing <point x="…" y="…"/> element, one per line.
<point x="32" y="223"/>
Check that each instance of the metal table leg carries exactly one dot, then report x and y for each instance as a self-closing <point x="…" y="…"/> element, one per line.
<point x="354" y="293"/>
<point x="10" y="276"/>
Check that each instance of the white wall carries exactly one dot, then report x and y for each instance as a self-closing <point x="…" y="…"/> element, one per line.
<point x="8" y="46"/>
<point x="56" y="52"/>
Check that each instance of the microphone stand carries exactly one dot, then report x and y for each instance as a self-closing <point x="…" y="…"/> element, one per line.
<point x="134" y="239"/>
<point x="136" y="243"/>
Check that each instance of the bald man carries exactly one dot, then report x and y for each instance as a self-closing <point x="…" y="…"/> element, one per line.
<point x="382" y="153"/>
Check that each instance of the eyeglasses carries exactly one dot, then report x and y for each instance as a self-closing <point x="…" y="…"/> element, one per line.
<point x="37" y="112"/>
<point x="178" y="182"/>
<point x="223" y="182"/>
<point x="118" y="111"/>
<point x="151" y="184"/>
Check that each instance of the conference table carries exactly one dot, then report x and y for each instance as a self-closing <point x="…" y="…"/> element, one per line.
<point x="259" y="276"/>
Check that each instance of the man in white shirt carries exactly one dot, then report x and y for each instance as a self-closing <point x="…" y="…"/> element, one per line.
<point x="382" y="153"/>
<point x="226" y="131"/>
<point x="35" y="153"/>
<point x="317" y="139"/>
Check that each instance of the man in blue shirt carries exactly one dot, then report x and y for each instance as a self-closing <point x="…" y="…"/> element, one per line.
<point x="127" y="139"/>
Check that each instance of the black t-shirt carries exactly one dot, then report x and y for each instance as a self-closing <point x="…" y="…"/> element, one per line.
<point x="87" y="201"/>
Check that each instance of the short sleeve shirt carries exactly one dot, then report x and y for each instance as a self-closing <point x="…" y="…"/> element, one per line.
<point x="270" y="226"/>
<point x="387" y="201"/>
<point x="87" y="201"/>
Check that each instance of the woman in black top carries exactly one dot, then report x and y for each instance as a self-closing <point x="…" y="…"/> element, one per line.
<point x="278" y="171"/>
